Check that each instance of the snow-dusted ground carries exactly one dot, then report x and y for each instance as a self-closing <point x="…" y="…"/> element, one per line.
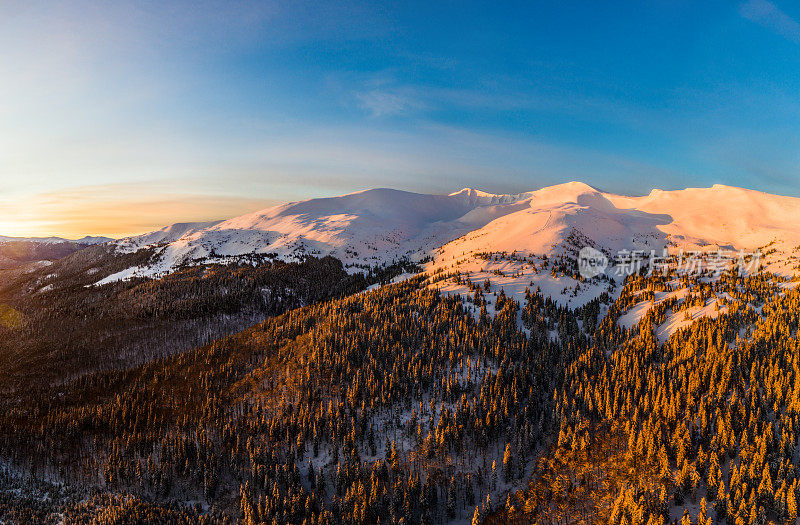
<point x="397" y="424"/>
<point x="778" y="265"/>
<point x="513" y="277"/>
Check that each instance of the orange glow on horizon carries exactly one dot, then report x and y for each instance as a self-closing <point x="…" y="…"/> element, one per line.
<point x="112" y="211"/>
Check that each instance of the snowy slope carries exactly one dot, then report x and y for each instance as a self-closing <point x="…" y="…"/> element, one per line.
<point x="707" y="218"/>
<point x="545" y="219"/>
<point x="555" y="222"/>
<point x="721" y="216"/>
<point x="559" y="220"/>
<point x="379" y="226"/>
<point x="164" y="236"/>
<point x="367" y="228"/>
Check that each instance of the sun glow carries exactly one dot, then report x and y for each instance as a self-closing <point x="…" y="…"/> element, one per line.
<point x="19" y="229"/>
<point x="113" y="211"/>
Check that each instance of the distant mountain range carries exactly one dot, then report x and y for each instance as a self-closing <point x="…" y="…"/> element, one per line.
<point x="87" y="241"/>
<point x="15" y="251"/>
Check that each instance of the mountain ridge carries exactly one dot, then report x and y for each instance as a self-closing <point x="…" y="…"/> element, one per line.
<point x="19" y="251"/>
<point x="87" y="240"/>
<point x="377" y="226"/>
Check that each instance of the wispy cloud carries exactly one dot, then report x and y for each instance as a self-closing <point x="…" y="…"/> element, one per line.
<point x="380" y="103"/>
<point x="770" y="16"/>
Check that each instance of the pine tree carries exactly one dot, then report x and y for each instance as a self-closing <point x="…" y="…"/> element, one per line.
<point x="508" y="464"/>
<point x="702" y="515"/>
<point x="476" y="516"/>
<point x="791" y="505"/>
<point x="721" y="501"/>
<point x="246" y="507"/>
<point x="451" y="499"/>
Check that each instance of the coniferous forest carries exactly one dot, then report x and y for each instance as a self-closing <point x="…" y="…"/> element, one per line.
<point x="288" y="393"/>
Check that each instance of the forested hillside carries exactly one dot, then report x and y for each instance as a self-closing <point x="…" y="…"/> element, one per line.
<point x="69" y="326"/>
<point x="16" y="253"/>
<point x="702" y="429"/>
<point x="392" y="403"/>
<point x="399" y="404"/>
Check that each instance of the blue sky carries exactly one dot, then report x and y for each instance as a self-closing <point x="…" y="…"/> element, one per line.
<point x="117" y="118"/>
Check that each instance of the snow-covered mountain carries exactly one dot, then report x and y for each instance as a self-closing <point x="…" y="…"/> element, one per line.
<point x="721" y="216"/>
<point x="378" y="226"/>
<point x="86" y="241"/>
<point x="691" y="219"/>
<point x="362" y="229"/>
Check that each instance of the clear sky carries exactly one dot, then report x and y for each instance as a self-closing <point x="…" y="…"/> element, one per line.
<point x="120" y="117"/>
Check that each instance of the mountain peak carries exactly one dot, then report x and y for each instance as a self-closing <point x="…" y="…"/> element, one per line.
<point x="574" y="185"/>
<point x="472" y="192"/>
